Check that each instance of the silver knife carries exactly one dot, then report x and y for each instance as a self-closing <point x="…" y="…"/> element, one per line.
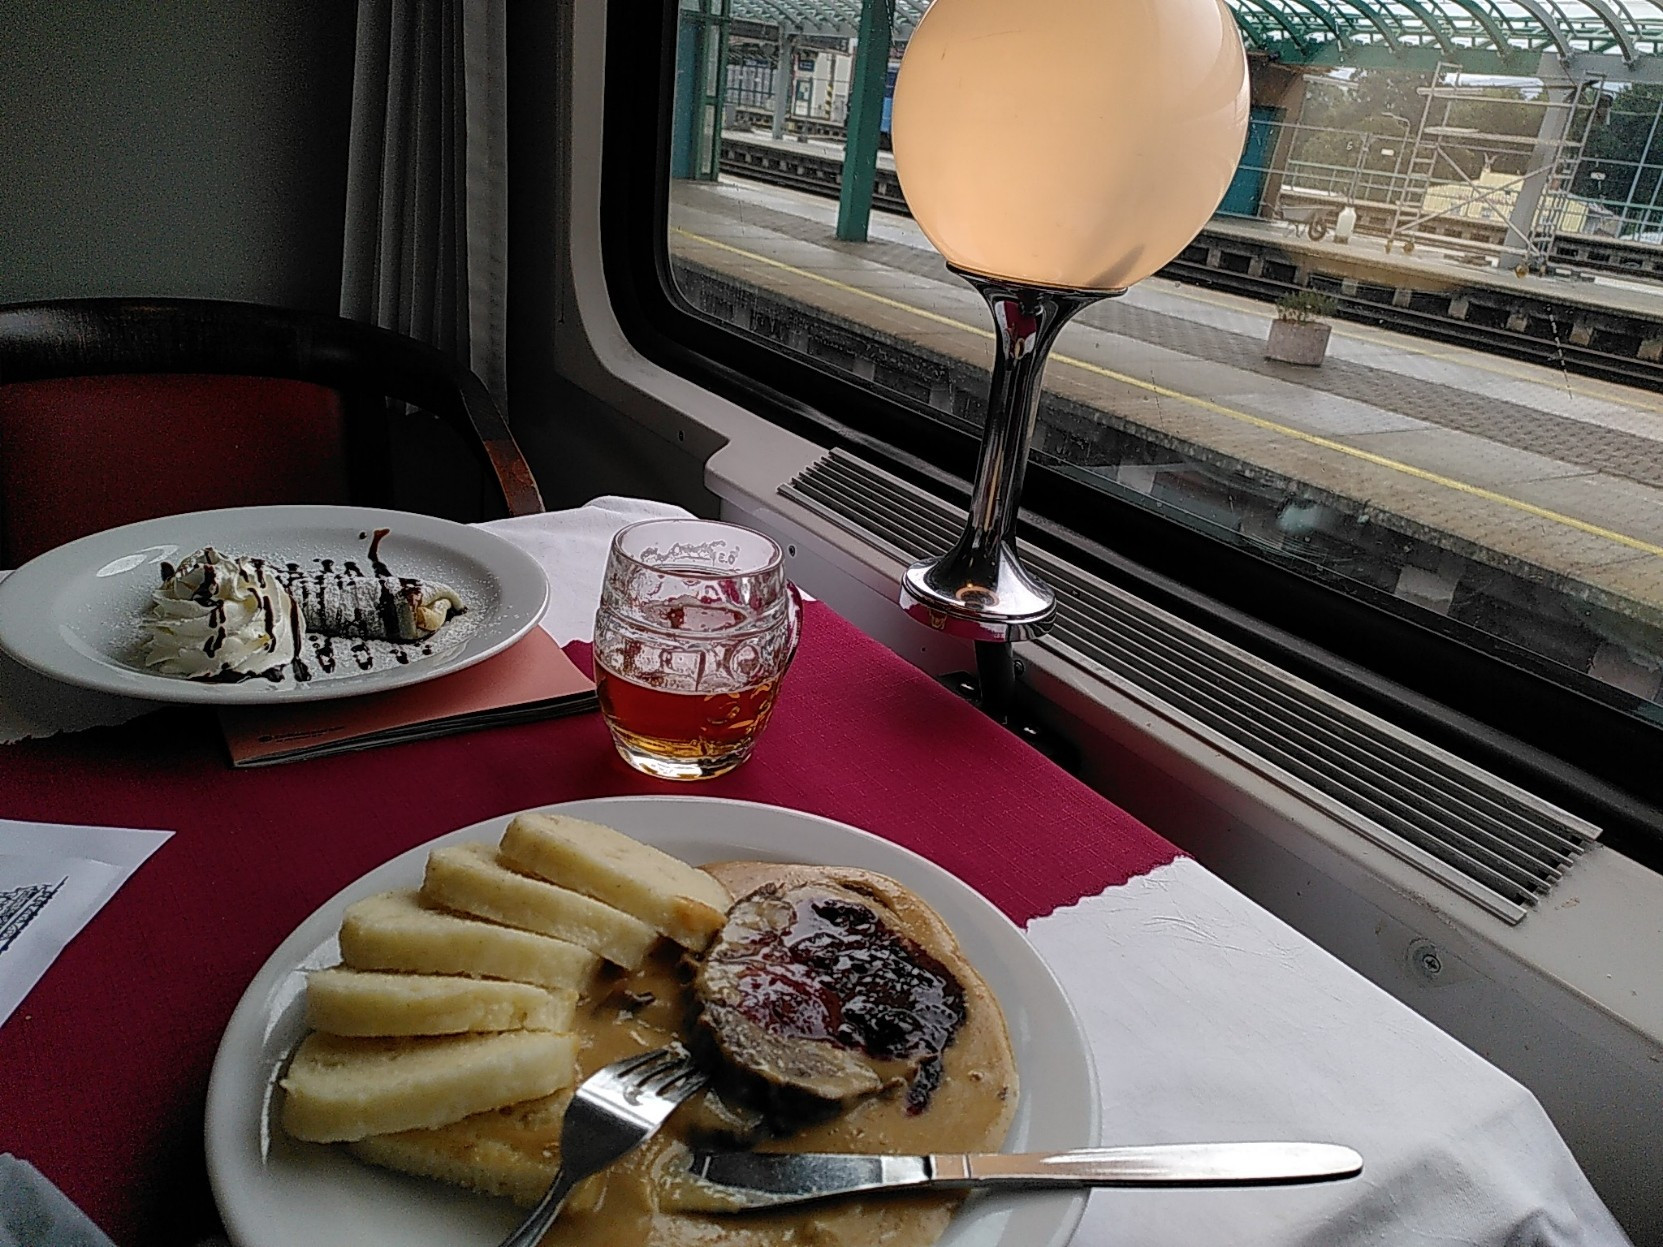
<point x="741" y="1181"/>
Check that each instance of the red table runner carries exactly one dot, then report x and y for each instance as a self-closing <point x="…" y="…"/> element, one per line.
<point x="104" y="1067"/>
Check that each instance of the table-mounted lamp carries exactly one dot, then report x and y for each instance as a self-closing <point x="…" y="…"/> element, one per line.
<point x="1055" y="152"/>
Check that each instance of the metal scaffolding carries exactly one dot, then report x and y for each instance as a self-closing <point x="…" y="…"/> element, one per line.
<point x="1529" y="198"/>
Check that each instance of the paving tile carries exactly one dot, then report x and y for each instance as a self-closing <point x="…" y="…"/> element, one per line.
<point x="1633" y="510"/>
<point x="1463" y="457"/>
<point x="1319" y="413"/>
<point x="1638" y="580"/>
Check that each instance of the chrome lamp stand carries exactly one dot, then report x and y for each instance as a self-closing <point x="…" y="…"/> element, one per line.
<point x="979" y="588"/>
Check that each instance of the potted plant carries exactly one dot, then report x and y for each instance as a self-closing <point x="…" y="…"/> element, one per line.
<point x="1299" y="334"/>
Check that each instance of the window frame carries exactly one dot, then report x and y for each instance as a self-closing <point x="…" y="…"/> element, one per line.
<point x="1482" y="697"/>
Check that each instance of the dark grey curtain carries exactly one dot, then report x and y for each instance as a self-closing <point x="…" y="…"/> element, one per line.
<point x="427" y="194"/>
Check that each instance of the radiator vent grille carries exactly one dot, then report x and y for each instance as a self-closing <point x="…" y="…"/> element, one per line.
<point x="1487" y="839"/>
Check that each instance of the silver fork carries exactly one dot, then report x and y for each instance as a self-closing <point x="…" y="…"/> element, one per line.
<point x="613" y="1111"/>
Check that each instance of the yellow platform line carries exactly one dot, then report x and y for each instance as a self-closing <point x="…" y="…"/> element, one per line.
<point x="1272" y="426"/>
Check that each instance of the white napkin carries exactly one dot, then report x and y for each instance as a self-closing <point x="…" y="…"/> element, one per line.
<point x="572" y="546"/>
<point x="32" y="705"/>
<point x="34" y="1213"/>
<point x="1211" y="1019"/>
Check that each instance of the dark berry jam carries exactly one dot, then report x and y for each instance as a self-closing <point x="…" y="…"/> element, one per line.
<point x="836" y="972"/>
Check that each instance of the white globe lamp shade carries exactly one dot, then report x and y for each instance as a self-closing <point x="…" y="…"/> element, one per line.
<point x="1078" y="144"/>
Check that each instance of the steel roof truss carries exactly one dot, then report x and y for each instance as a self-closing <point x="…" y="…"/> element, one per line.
<point x="1567" y="27"/>
<point x="1252" y="29"/>
<point x="1498" y="37"/>
<point x="1622" y="33"/>
<point x="1327" y="18"/>
<point x="1380" y="22"/>
<point x="1285" y="22"/>
<point x="1434" y="25"/>
<point x="1551" y="25"/>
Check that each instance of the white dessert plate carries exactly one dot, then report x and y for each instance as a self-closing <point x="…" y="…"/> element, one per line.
<point x="73" y="613"/>
<point x="274" y="1192"/>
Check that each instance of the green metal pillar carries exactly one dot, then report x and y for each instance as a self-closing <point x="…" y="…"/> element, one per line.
<point x="700" y="89"/>
<point x="865" y="121"/>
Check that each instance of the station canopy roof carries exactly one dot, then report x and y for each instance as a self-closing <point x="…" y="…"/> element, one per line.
<point x="1620" y="40"/>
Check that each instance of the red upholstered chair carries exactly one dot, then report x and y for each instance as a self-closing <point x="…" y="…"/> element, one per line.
<point x="116" y="410"/>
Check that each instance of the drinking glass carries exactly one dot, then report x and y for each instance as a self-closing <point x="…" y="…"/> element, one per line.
<point x="696" y="627"/>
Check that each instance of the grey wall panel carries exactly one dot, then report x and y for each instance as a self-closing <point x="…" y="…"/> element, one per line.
<point x="168" y="147"/>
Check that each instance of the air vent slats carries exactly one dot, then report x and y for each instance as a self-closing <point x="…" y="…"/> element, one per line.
<point x="1508" y="817"/>
<point x="1495" y="834"/>
<point x="877" y="510"/>
<point x="1324" y="762"/>
<point x="1315" y="766"/>
<point x="1489" y="840"/>
<point x="890" y="514"/>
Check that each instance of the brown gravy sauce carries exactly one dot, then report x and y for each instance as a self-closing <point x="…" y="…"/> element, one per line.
<point x="628" y="1205"/>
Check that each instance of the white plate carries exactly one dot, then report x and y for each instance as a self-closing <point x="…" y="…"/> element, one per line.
<point x="73" y="613"/>
<point x="275" y="1192"/>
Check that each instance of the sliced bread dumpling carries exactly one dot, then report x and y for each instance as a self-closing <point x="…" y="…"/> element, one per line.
<point x="512" y="1151"/>
<point x="395" y="931"/>
<point x="344" y="1001"/>
<point x="470" y="878"/>
<point x="666" y="893"/>
<point x="339" y="1088"/>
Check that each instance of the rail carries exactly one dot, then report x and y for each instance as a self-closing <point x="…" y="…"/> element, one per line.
<point x="1305" y="185"/>
<point x="1530" y="325"/>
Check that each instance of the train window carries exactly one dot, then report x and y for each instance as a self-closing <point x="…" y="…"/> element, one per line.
<point x="1413" y="361"/>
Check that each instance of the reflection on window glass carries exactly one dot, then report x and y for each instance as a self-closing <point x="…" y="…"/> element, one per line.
<point x="1416" y="351"/>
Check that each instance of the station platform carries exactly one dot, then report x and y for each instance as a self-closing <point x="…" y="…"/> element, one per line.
<point x="1592" y="308"/>
<point x="1554" y="478"/>
<point x="1433" y="263"/>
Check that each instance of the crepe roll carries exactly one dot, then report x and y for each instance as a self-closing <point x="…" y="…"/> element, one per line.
<point x="376" y="608"/>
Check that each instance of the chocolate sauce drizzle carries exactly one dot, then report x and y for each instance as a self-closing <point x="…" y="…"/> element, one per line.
<point x="343" y="598"/>
<point x="375" y="552"/>
<point x="349" y="604"/>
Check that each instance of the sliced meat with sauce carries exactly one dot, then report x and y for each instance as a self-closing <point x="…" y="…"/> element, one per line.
<point x="812" y="1000"/>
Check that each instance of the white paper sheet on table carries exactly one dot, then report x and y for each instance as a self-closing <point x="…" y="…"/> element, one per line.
<point x="53" y="879"/>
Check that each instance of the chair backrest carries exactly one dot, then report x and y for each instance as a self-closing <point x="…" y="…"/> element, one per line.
<point x="113" y="410"/>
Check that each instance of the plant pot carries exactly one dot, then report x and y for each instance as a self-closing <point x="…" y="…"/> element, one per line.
<point x="1298" y="342"/>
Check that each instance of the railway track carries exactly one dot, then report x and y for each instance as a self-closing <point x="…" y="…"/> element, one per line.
<point x="1620" y="257"/>
<point x="805" y="170"/>
<point x="1611" y="345"/>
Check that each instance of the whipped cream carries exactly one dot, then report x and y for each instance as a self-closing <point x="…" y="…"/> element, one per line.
<point x="219" y="617"/>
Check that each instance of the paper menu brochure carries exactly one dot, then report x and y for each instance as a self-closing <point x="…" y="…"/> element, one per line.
<point x="53" y="879"/>
<point x="531" y="679"/>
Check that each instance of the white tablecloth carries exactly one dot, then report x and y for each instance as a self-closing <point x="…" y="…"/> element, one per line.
<point x="1209" y="1019"/>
